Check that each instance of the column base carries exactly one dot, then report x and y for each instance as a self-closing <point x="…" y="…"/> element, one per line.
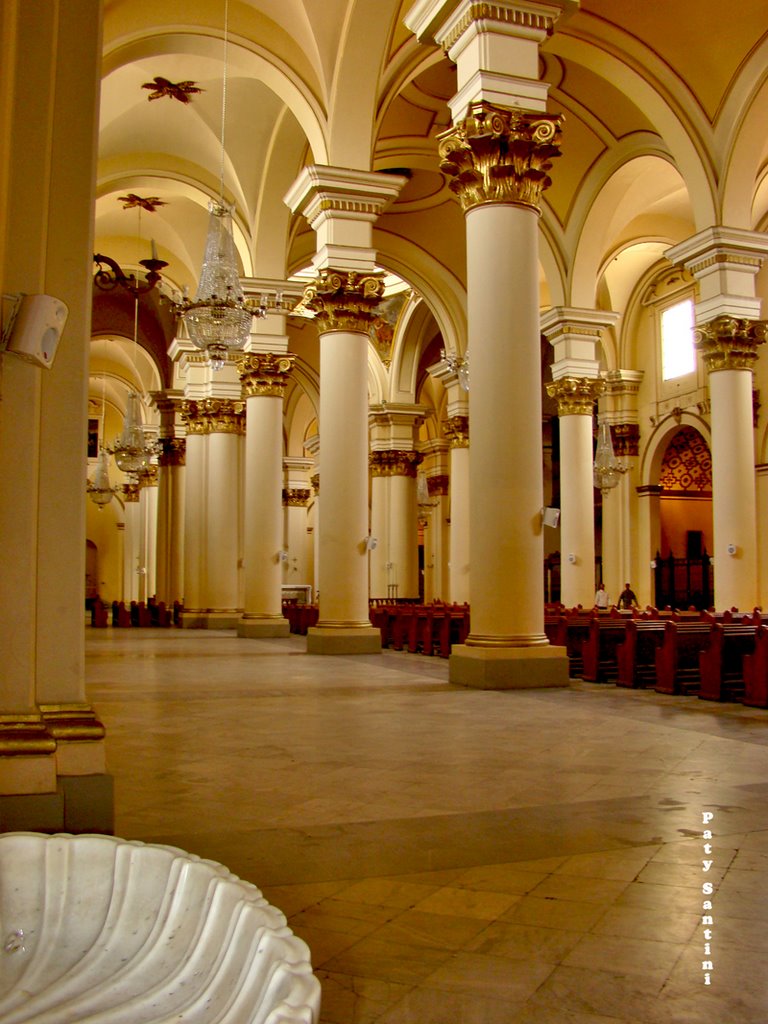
<point x="256" y="627"/>
<point x="210" y="620"/>
<point x="344" y="640"/>
<point x="508" y="668"/>
<point x="75" y="804"/>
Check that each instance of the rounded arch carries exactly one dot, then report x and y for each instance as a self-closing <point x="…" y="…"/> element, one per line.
<point x="742" y="131"/>
<point x="664" y="431"/>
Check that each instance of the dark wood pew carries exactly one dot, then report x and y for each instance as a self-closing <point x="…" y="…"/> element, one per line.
<point x="677" y="659"/>
<point x="598" y="650"/>
<point x="755" y="667"/>
<point x="720" y="663"/>
<point x="99" y="618"/>
<point x="120" y="615"/>
<point x="636" y="654"/>
<point x="576" y="632"/>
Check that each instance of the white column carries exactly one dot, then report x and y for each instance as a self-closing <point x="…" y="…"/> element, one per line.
<point x="457" y="430"/>
<point x="341" y="205"/>
<point x="132" y="543"/>
<point x="648" y="529"/>
<point x="194" y="518"/>
<point x="170" y="521"/>
<point x="264" y="377"/>
<point x="394" y="523"/>
<point x="724" y="262"/>
<point x="222" y="539"/>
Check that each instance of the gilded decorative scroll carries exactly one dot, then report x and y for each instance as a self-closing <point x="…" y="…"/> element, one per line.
<point x="457" y="431"/>
<point x="730" y="343"/>
<point x="626" y="439"/>
<point x="296" y="496"/>
<point x="131" y="493"/>
<point x="576" y="396"/>
<point x="394" y="462"/>
<point x="500" y="155"/>
<point x="344" y="300"/>
<point x="265" y="374"/>
<point x="173" y="451"/>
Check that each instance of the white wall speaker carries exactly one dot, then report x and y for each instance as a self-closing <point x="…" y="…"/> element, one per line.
<point x="550" y="516"/>
<point x="37" y="328"/>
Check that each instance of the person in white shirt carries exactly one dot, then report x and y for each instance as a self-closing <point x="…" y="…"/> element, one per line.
<point x="602" y="601"/>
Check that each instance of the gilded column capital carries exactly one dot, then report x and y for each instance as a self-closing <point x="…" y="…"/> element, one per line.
<point x="626" y="439"/>
<point x="315" y="481"/>
<point x="296" y="496"/>
<point x="500" y="155"/>
<point x="265" y="374"/>
<point x="730" y="343"/>
<point x="576" y="396"/>
<point x="214" y="416"/>
<point x="344" y="300"/>
<point x="130" y="493"/>
<point x="394" y="462"/>
<point x="173" y="451"/>
<point x="457" y="431"/>
<point x="437" y="486"/>
<point x="148" y="477"/>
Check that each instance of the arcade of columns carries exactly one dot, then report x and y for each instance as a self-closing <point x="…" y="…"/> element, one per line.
<point x="498" y="154"/>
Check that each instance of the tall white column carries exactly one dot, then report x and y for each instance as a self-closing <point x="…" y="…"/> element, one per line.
<point x="222" y="588"/>
<point x="194" y="518"/>
<point x="169" y="560"/>
<point x="724" y="262"/>
<point x="264" y="377"/>
<point x="297" y="496"/>
<point x="457" y="431"/>
<point x="341" y="205"/>
<point x="132" y="543"/>
<point x="497" y="155"/>
<point x="394" y="523"/>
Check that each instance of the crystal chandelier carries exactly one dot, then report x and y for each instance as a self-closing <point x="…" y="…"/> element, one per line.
<point x="218" y="320"/>
<point x="607" y="469"/>
<point x="458" y="365"/>
<point x="99" y="490"/>
<point x="132" y="451"/>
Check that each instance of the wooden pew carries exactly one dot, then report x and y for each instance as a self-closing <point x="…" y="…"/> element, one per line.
<point x="720" y="663"/>
<point x="677" y="659"/>
<point x="755" y="667"/>
<point x="98" y="614"/>
<point x="598" y="650"/>
<point x="636" y="654"/>
<point x="576" y="632"/>
<point x="120" y="615"/>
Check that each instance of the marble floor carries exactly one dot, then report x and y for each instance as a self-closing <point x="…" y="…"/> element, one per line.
<point x="455" y="856"/>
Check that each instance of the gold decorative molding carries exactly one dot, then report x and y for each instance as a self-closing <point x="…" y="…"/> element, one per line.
<point x="264" y="374"/>
<point x="25" y="734"/>
<point x="626" y="439"/>
<point x="500" y="155"/>
<point x="296" y="496"/>
<point x="438" y="485"/>
<point x="214" y="416"/>
<point x="730" y="343"/>
<point x="394" y="462"/>
<point x="344" y="300"/>
<point x="530" y="20"/>
<point x="72" y="721"/>
<point x="315" y="481"/>
<point x="173" y="451"/>
<point x="576" y="396"/>
<point x="148" y="477"/>
<point x="131" y="493"/>
<point x="457" y="431"/>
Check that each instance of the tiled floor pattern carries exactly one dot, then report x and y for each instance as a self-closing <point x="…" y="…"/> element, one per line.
<point x="454" y="856"/>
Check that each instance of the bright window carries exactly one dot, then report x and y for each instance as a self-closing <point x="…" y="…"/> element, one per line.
<point x="678" y="355"/>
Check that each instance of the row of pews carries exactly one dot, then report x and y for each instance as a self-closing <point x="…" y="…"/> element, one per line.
<point x="714" y="656"/>
<point x="136" y="614"/>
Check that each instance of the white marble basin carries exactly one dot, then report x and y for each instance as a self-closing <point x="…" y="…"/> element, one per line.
<point x="106" y="931"/>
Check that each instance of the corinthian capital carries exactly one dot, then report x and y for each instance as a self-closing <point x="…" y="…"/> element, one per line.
<point x="394" y="462"/>
<point x="214" y="416"/>
<point x="500" y="155"/>
<point x="344" y="300"/>
<point x="264" y="373"/>
<point x="457" y="431"/>
<point x="730" y="343"/>
<point x="575" y="396"/>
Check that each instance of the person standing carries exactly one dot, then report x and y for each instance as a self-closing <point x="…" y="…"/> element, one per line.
<point x="602" y="601"/>
<point x="627" y="598"/>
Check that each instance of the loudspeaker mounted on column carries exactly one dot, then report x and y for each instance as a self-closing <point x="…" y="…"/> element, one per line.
<point x="36" y="330"/>
<point x="550" y="516"/>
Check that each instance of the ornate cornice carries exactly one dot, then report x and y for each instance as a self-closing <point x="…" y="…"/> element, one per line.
<point x="730" y="343"/>
<point x="394" y="462"/>
<point x="214" y="416"/>
<point x="173" y="451"/>
<point x="296" y="496"/>
<point x="530" y="20"/>
<point x="626" y="439"/>
<point x="500" y="155"/>
<point x="265" y="374"/>
<point x="344" y="300"/>
<point x="438" y="485"/>
<point x="576" y="396"/>
<point x="457" y="431"/>
<point x="131" y="493"/>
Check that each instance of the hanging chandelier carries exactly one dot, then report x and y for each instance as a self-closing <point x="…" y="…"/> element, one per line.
<point x="607" y="469"/>
<point x="132" y="450"/>
<point x="458" y="365"/>
<point x="219" y="320"/>
<point x="99" y="489"/>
